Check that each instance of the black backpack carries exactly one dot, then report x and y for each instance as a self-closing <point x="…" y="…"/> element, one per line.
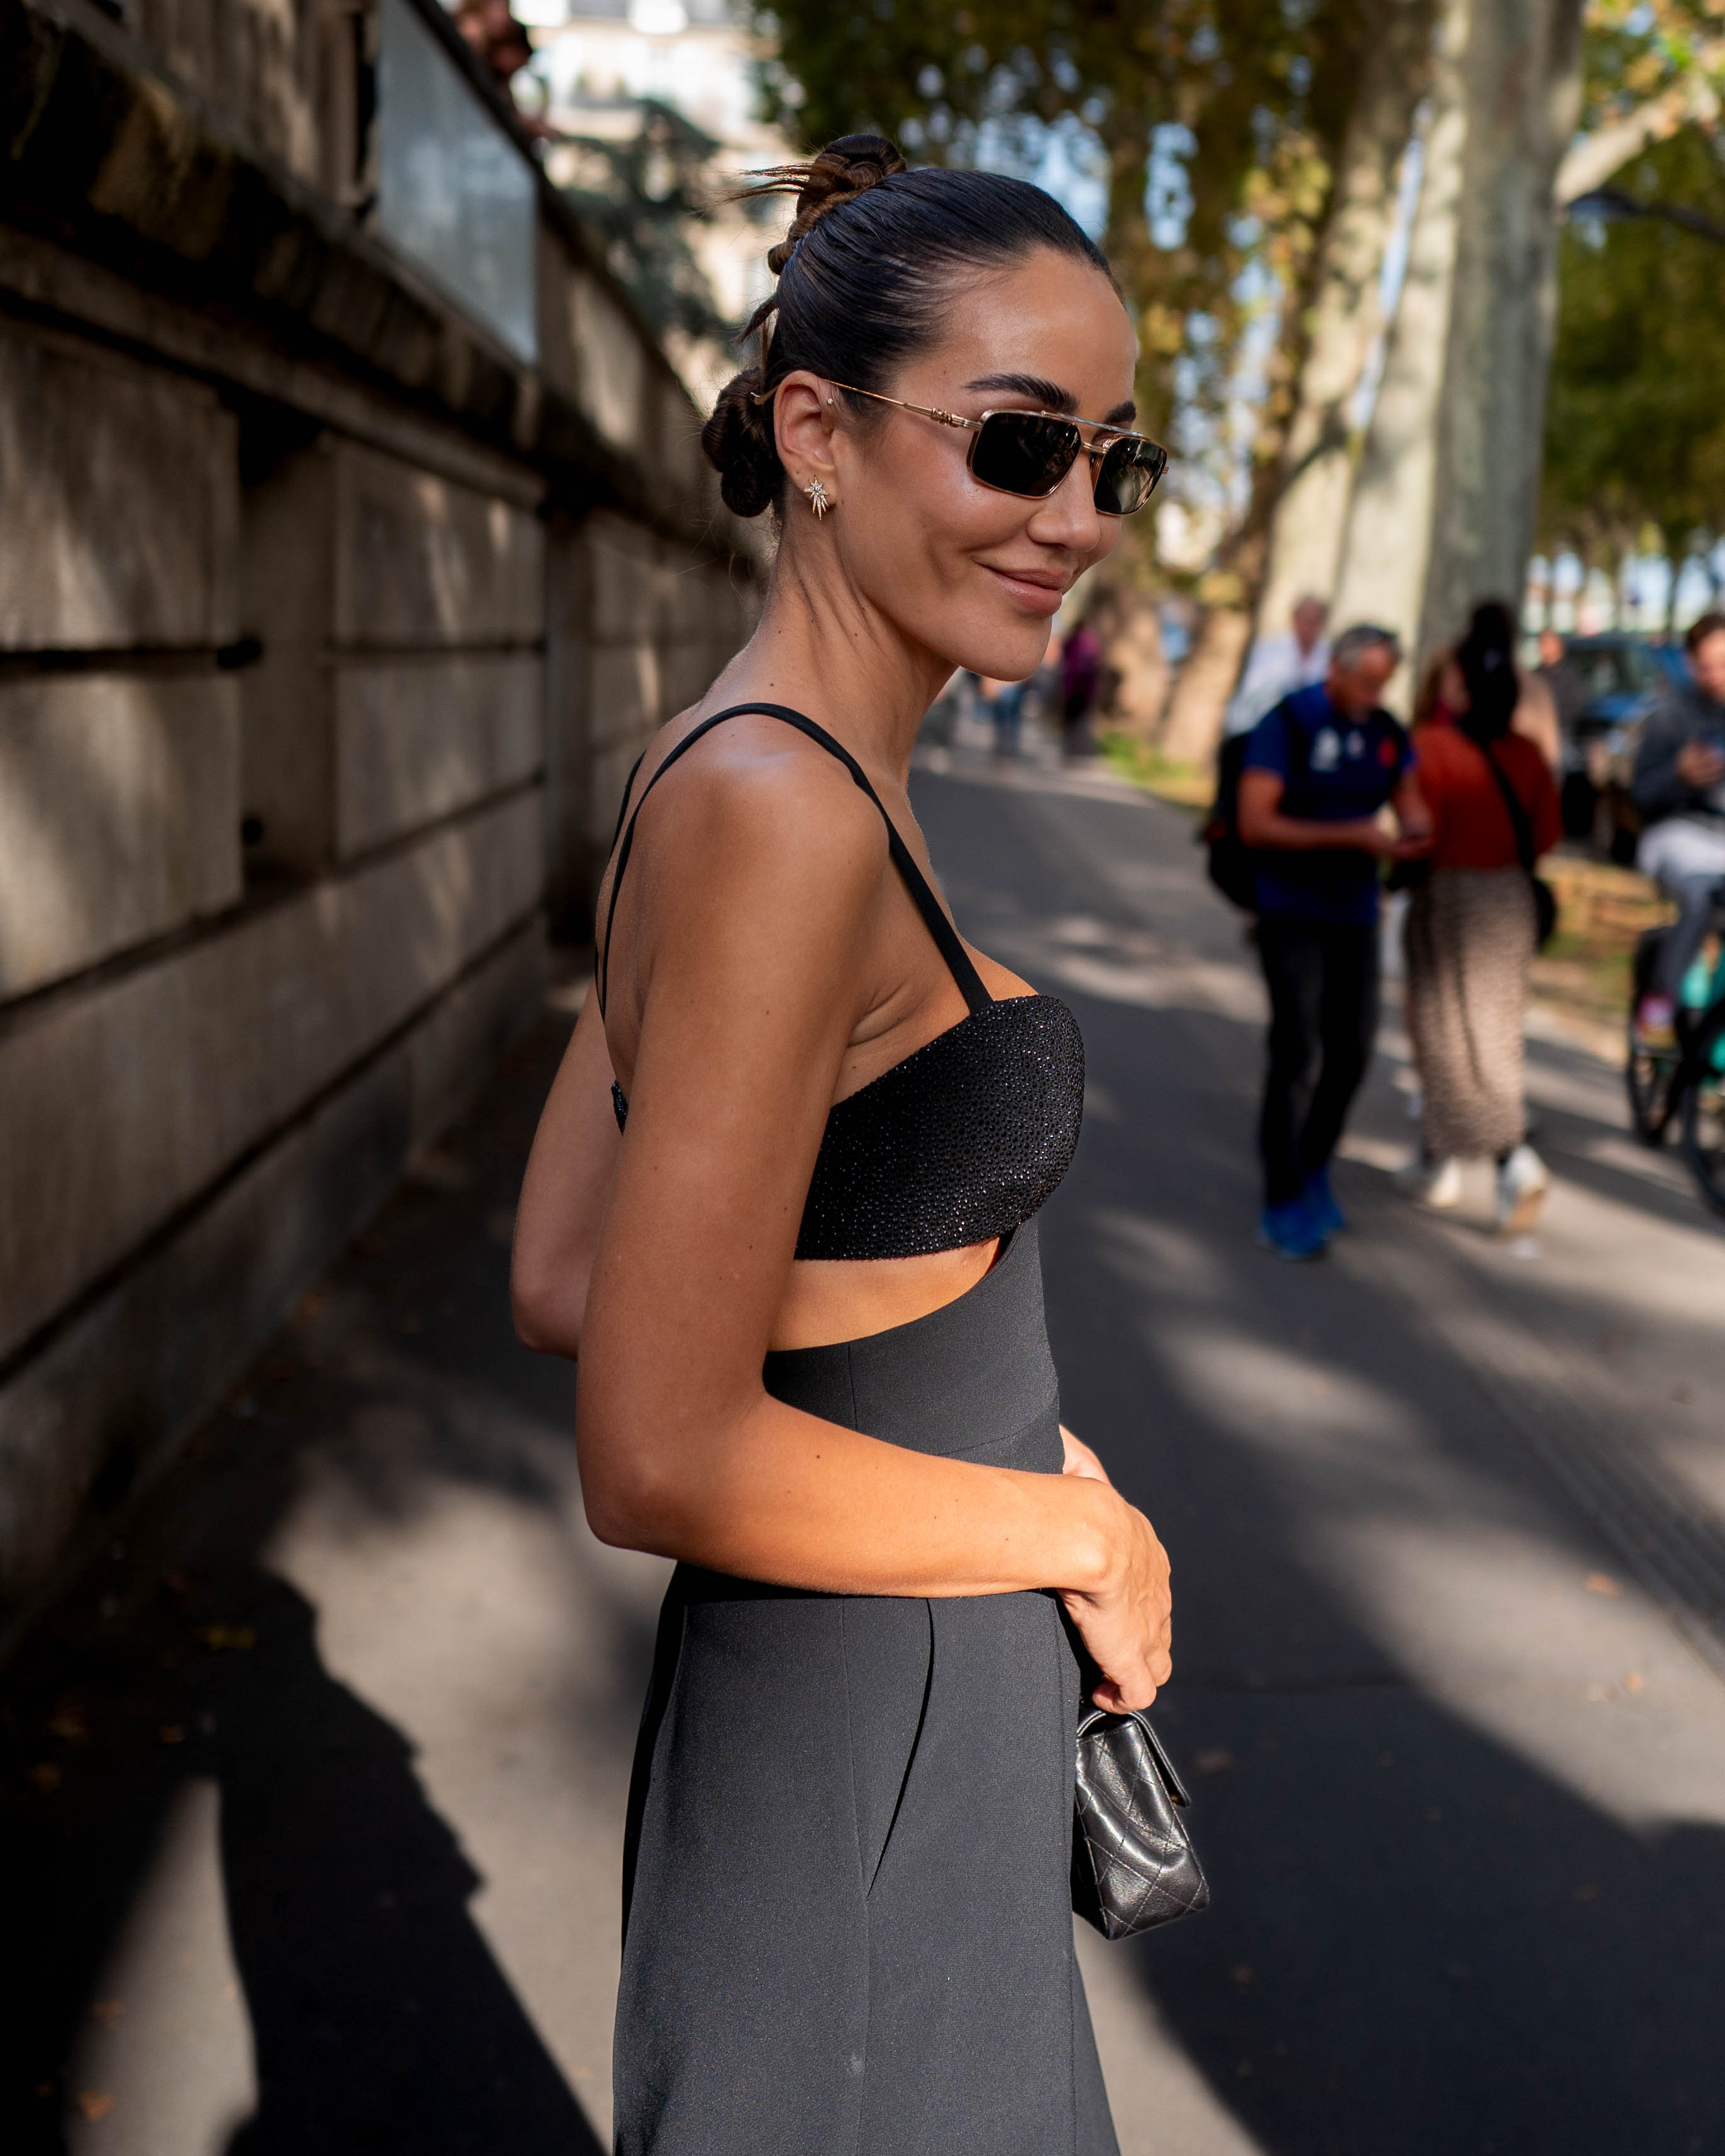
<point x="1232" y="865"/>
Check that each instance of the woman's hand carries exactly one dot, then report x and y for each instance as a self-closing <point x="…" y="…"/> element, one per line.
<point x="1126" y="1621"/>
<point x="1081" y="1459"/>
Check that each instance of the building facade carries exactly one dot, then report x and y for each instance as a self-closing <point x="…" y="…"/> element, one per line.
<point x="354" y="536"/>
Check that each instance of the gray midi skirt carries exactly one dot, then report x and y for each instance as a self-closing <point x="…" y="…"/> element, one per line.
<point x="847" y="1885"/>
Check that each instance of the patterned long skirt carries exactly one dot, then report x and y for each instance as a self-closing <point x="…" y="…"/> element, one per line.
<point x="1468" y="947"/>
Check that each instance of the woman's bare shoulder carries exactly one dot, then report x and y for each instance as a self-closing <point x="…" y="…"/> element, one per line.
<point x="756" y="799"/>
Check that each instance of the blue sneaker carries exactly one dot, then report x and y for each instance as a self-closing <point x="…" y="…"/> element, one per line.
<point x="1291" y="1230"/>
<point x="1327" y="1216"/>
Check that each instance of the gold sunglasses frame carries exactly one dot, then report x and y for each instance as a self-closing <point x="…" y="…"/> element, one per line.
<point x="1013" y="411"/>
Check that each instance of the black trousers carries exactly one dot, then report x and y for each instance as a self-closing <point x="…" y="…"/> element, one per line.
<point x="1322" y="978"/>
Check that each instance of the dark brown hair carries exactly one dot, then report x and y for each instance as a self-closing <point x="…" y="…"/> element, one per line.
<point x="871" y="256"/>
<point x="1487" y="656"/>
<point x="1710" y="624"/>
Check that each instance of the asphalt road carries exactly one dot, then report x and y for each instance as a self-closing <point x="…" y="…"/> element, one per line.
<point x="311" y="1797"/>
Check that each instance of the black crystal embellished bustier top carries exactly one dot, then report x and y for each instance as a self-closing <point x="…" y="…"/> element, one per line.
<point x="964" y="1140"/>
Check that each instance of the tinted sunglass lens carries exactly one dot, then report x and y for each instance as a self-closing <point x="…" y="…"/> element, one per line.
<point x="1025" y="453"/>
<point x="1127" y="477"/>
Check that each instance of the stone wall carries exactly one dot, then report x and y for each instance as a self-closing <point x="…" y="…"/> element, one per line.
<point x="328" y="632"/>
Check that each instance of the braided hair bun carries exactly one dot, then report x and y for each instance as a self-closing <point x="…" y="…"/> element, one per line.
<point x="864" y="273"/>
<point x="844" y="170"/>
<point x="739" y="440"/>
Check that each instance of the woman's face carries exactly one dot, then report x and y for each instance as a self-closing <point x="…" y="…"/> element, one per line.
<point x="972" y="575"/>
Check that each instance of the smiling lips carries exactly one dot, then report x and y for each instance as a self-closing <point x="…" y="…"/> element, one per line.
<point x="1038" y="589"/>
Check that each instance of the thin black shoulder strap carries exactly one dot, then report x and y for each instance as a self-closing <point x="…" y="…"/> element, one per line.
<point x="934" y="913"/>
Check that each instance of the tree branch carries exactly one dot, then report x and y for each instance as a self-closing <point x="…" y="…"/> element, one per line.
<point x="1592" y="159"/>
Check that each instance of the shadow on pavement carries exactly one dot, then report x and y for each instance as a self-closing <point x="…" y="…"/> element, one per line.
<point x="380" y="2019"/>
<point x="1419" y="1941"/>
<point x="1422" y="1942"/>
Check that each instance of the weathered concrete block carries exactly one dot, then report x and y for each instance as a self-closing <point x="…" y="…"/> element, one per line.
<point x="134" y="1373"/>
<point x="119" y="815"/>
<point x="627" y="695"/>
<point x="685" y="673"/>
<point x="258" y="60"/>
<point x="621" y="559"/>
<point x="418" y="738"/>
<point x="122" y="1104"/>
<point x="610" y="775"/>
<point x="674" y="441"/>
<point x="121" y="488"/>
<point x="422" y="560"/>
<point x="610" y="368"/>
<point x="287" y="601"/>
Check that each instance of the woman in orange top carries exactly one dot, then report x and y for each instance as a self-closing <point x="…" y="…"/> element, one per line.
<point x="1471" y="928"/>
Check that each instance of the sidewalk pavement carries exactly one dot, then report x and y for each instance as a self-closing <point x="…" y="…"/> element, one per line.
<point x="312" y="1792"/>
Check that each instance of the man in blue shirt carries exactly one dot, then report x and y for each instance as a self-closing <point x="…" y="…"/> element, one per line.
<point x="1320" y="768"/>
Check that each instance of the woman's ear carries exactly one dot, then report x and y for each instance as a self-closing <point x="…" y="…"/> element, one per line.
<point x="803" y="414"/>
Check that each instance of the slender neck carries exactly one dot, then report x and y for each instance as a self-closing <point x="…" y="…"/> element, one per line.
<point x="824" y="648"/>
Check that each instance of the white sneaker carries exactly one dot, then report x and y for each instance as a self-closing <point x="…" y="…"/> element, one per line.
<point x="1522" y="1182"/>
<point x="1435" y="1184"/>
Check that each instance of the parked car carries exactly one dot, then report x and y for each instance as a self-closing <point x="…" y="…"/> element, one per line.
<point x="1622" y="674"/>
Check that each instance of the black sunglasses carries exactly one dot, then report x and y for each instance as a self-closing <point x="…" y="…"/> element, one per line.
<point x="1030" y="453"/>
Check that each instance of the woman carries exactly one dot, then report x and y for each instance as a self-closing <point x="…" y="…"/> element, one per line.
<point x="1470" y="927"/>
<point x="1080" y="685"/>
<point x="797" y="1262"/>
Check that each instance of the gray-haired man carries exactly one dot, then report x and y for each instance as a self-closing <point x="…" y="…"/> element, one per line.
<point x="1319" y="769"/>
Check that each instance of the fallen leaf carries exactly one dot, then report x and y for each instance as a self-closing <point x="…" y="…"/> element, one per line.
<point x="1601" y="1583"/>
<point x="95" y="2103"/>
<point x="1216" y="1761"/>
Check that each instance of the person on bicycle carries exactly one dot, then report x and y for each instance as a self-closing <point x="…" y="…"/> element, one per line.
<point x="1679" y="788"/>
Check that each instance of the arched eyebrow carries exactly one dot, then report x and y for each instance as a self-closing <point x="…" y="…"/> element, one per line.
<point x="1049" y="395"/>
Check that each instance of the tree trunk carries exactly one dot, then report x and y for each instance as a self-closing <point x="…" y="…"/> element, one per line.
<point x="1194" y="725"/>
<point x="1386" y="544"/>
<point x="1307" y="531"/>
<point x="1523" y="91"/>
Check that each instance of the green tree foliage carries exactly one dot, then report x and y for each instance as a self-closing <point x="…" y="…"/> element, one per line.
<point x="1636" y="426"/>
<point x="1238" y="105"/>
<point x="640" y="197"/>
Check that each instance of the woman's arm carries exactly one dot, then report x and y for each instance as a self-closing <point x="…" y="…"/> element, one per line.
<point x="756" y="951"/>
<point x="564" y="1194"/>
<point x="1413" y="814"/>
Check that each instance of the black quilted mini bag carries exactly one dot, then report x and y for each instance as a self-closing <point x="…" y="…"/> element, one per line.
<point x="1133" y="1866"/>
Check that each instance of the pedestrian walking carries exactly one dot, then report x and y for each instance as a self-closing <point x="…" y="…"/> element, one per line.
<point x="783" y="1206"/>
<point x="1297" y="657"/>
<point x="1679" y="788"/>
<point x="1470" y="937"/>
<point x="1080" y="684"/>
<point x="1006" y="707"/>
<point x="1320" y="769"/>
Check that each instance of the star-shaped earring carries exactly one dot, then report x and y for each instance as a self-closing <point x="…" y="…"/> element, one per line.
<point x="819" y="500"/>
